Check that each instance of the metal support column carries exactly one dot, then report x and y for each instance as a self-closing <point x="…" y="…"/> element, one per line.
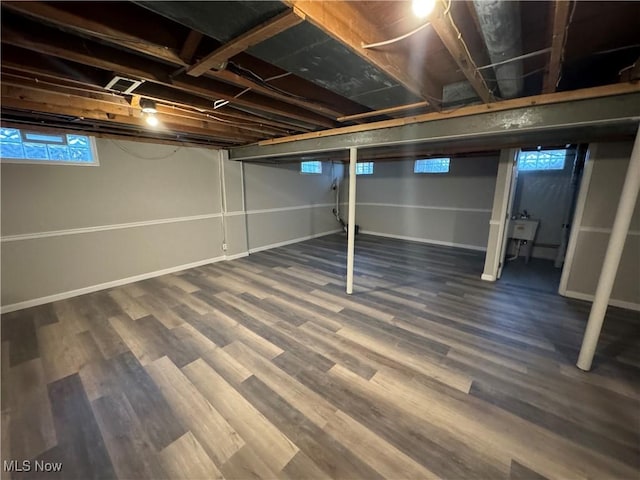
<point x="351" y="221"/>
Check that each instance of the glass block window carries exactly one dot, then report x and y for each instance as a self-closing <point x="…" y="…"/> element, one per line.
<point x="431" y="165"/>
<point x="529" y="161"/>
<point x="53" y="148"/>
<point x="311" y="167"/>
<point x="364" y="168"/>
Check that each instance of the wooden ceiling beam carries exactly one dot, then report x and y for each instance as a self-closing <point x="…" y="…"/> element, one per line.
<point x="38" y="68"/>
<point x="116" y="132"/>
<point x="52" y="14"/>
<point x="190" y="46"/>
<point x="342" y="21"/>
<point x="25" y="99"/>
<point x="384" y="111"/>
<point x="110" y="59"/>
<point x="451" y="37"/>
<point x="217" y="58"/>
<point x="119" y="35"/>
<point x="558" y="40"/>
<point x="119" y="103"/>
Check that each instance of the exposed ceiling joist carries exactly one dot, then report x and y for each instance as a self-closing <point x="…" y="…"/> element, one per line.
<point x="35" y="68"/>
<point x="115" y="110"/>
<point x="110" y="59"/>
<point x="120" y="35"/>
<point x="93" y="28"/>
<point x="448" y="32"/>
<point x="384" y="111"/>
<point x="218" y="57"/>
<point x="343" y="22"/>
<point x="558" y="39"/>
<point x="190" y="46"/>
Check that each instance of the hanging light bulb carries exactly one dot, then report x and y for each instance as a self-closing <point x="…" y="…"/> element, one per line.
<point x="422" y="8"/>
<point x="152" y="120"/>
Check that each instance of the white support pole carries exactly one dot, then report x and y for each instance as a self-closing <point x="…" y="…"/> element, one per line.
<point x="351" y="220"/>
<point x="619" y="231"/>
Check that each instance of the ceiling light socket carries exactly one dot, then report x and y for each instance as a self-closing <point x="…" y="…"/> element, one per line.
<point x="148" y="106"/>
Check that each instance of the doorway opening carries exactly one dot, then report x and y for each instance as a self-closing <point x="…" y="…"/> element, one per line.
<point x="545" y="186"/>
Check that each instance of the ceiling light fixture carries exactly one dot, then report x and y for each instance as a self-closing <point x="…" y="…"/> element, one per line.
<point x="422" y="8"/>
<point x="148" y="106"/>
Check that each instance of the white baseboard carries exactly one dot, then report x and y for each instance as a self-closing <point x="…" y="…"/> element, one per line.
<point x="488" y="278"/>
<point x="293" y="240"/>
<point x="236" y="255"/>
<point x="613" y="302"/>
<point x="425" y="240"/>
<point x="114" y="283"/>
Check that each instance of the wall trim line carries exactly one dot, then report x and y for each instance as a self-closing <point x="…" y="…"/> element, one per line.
<point x="294" y="240"/>
<point x="286" y="209"/>
<point x="235" y="214"/>
<point x="606" y="230"/>
<point x="425" y="207"/>
<point x="425" y="240"/>
<point x="102" y="228"/>
<point x="612" y="301"/>
<point x="102" y="286"/>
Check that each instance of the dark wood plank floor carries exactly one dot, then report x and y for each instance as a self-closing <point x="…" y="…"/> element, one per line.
<point x="263" y="368"/>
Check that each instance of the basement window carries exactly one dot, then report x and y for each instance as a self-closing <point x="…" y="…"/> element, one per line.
<point x="313" y="167"/>
<point x="364" y="168"/>
<point x="25" y="146"/>
<point x="535" y="160"/>
<point x="431" y="165"/>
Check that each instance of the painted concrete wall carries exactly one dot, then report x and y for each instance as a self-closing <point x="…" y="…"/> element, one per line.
<point x="448" y="209"/>
<point x="285" y="206"/>
<point x="147" y="208"/>
<point x="590" y="235"/>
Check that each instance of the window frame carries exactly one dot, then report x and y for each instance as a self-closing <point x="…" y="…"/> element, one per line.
<point x="34" y="161"/>
<point x="364" y="173"/>
<point x="311" y="173"/>
<point x="439" y="159"/>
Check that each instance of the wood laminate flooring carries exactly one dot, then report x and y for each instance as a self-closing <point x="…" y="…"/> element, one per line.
<point x="263" y="368"/>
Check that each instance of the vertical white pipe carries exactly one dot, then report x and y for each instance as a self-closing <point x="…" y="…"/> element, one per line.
<point x="617" y="240"/>
<point x="351" y="220"/>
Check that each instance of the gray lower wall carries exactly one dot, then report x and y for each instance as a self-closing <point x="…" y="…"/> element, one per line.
<point x="284" y="205"/>
<point x="135" y="182"/>
<point x="450" y="209"/>
<point x="609" y="162"/>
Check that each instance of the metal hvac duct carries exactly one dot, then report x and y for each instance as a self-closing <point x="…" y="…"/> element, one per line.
<point x="500" y="24"/>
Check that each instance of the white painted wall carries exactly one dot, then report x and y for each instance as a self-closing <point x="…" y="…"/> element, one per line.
<point x="448" y="209"/>
<point x="285" y="206"/>
<point x="145" y="209"/>
<point x="600" y="193"/>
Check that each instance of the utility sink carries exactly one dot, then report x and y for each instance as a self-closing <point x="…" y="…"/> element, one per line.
<point x="522" y="229"/>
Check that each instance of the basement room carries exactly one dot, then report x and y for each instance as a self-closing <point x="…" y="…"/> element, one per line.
<point x="320" y="240"/>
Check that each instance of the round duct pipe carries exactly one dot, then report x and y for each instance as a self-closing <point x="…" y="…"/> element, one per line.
<point x="501" y="28"/>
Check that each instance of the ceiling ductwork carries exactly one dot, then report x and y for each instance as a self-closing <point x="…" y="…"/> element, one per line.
<point x="501" y="28"/>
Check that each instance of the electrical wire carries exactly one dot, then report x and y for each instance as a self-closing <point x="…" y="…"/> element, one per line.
<point x="141" y="157"/>
<point x="406" y="35"/>
<point x="384" y="43"/>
